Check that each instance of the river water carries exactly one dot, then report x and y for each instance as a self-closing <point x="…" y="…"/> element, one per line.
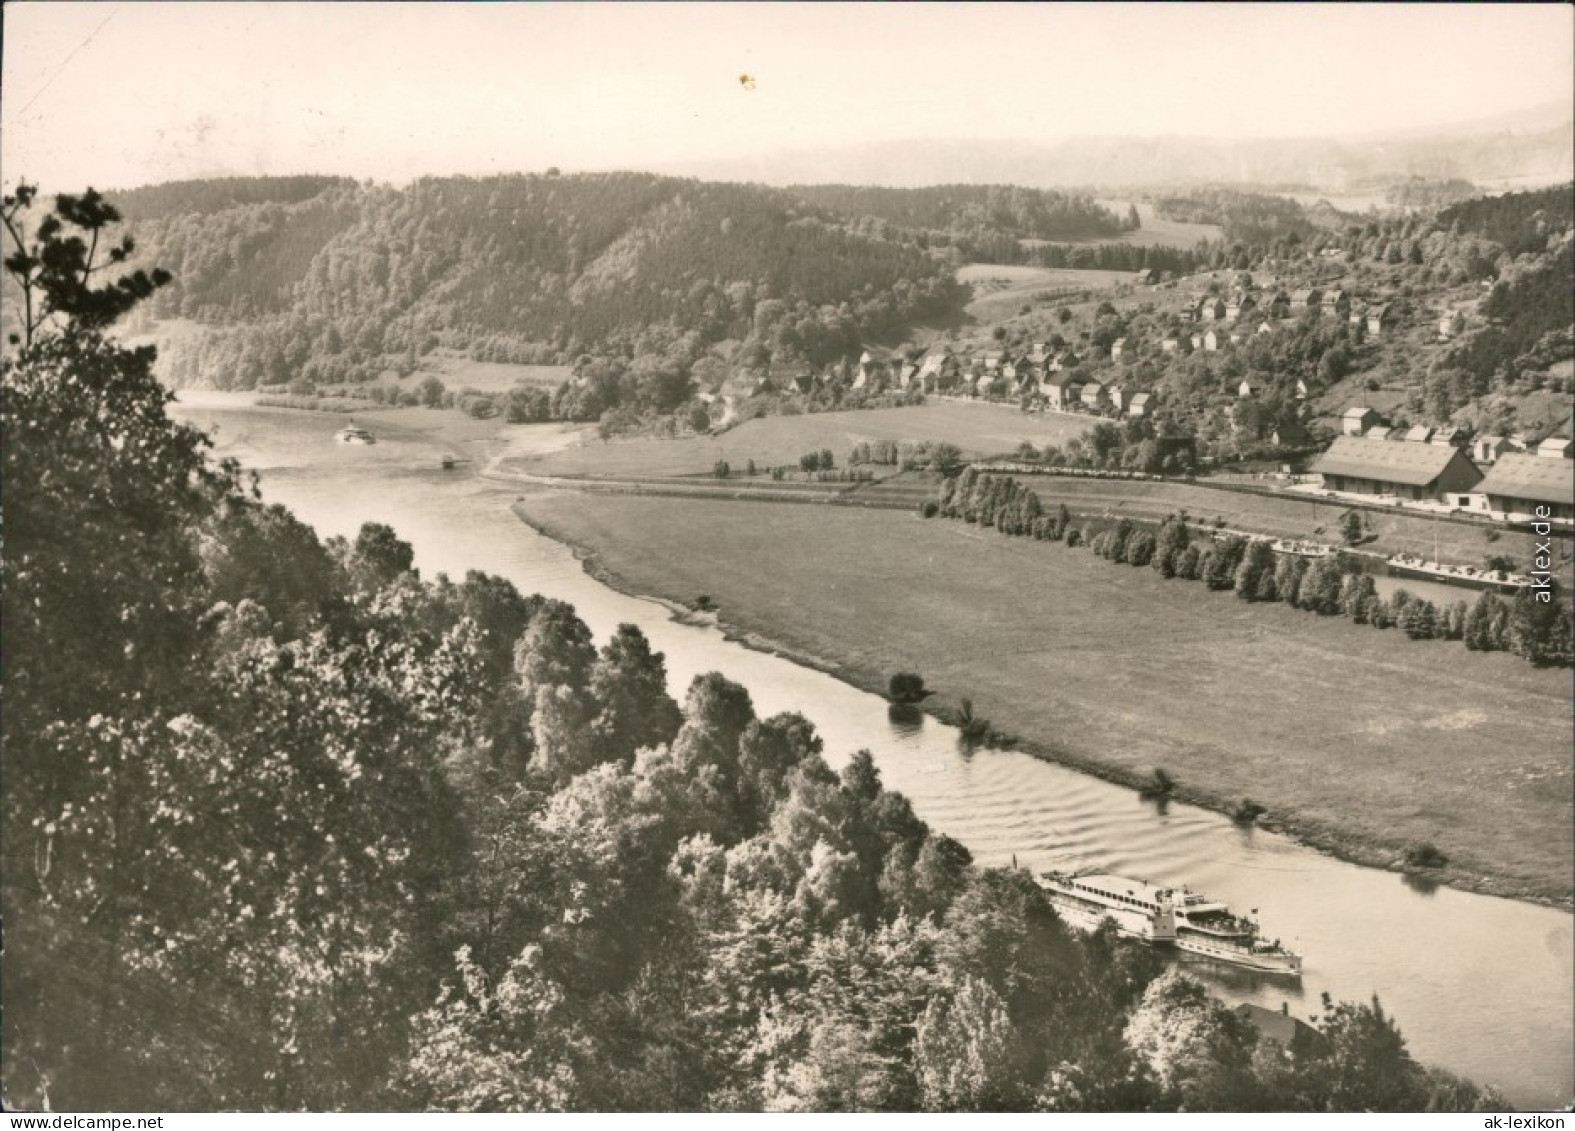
<point x="1482" y="986"/>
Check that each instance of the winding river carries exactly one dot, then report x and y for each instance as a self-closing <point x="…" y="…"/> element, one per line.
<point x="1482" y="986"/>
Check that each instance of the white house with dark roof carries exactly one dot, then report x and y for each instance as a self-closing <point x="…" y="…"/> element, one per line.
<point x="1138" y="404"/>
<point x="1554" y="447"/>
<point x="1062" y="395"/>
<point x="1211" y="309"/>
<point x="1379" y="319"/>
<point x="1487" y="449"/>
<point x="1239" y="305"/>
<point x="1357" y="419"/>
<point x="1418" y="434"/>
<point x="1336" y="302"/>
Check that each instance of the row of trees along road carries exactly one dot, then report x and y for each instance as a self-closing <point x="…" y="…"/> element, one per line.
<point x="288" y="826"/>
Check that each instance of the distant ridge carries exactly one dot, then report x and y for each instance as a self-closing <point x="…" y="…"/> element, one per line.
<point x="1531" y="147"/>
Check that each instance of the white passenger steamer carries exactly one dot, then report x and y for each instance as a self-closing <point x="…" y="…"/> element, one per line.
<point x="1167" y="917"/>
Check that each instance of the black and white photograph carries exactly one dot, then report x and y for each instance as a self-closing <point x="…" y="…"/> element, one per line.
<point x="786" y="558"/>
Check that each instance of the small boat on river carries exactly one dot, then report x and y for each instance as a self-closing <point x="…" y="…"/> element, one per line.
<point x="354" y="434"/>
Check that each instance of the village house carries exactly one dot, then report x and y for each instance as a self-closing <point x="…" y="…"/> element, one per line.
<point x="1094" y="396"/>
<point x="1310" y="298"/>
<point x="1197" y="342"/>
<point x="1249" y="387"/>
<point x="1062" y="395"/>
<point x="1380" y="432"/>
<point x="1554" y="447"/>
<point x="1449" y="436"/>
<point x="1213" y="340"/>
<point x="1117" y="395"/>
<point x="1363" y="466"/>
<point x="1487" y="449"/>
<point x="1147" y="277"/>
<point x="1336" y="303"/>
<point x="1169" y="345"/>
<point x="1117" y="348"/>
<point x="1520" y="482"/>
<point x="939" y="371"/>
<point x="1211" y="309"/>
<point x="1357" y="419"/>
<point x="1301" y="389"/>
<point x="1418" y="434"/>
<point x="1379" y="319"/>
<point x="1277" y="305"/>
<point x="1138" y="404"/>
<point x="1239" y="305"/>
<point x="1064" y="360"/>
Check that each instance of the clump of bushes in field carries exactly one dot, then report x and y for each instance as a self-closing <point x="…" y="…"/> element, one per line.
<point x="878" y="452"/>
<point x="1538" y="630"/>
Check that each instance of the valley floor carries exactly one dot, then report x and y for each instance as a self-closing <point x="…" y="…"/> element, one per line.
<point x="1358" y="741"/>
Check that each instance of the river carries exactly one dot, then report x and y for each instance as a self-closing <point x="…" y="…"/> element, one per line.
<point x="1484" y="987"/>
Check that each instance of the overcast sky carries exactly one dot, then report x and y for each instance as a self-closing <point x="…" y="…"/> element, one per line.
<point x="118" y="95"/>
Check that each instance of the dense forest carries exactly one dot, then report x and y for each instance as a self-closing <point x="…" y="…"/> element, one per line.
<point x="179" y="198"/>
<point x="340" y="284"/>
<point x="981" y="222"/>
<point x="1243" y="217"/>
<point x="288" y="826"/>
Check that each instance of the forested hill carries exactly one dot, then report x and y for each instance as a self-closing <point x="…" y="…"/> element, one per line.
<point x="537" y="267"/>
<point x="973" y="216"/>
<point x="177" y="198"/>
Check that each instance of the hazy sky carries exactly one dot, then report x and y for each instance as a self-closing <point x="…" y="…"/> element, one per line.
<point x="123" y="94"/>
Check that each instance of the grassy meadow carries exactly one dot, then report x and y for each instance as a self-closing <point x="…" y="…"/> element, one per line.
<point x="978" y="429"/>
<point x="1357" y="740"/>
<point x="1001" y="290"/>
<point x="1158" y="232"/>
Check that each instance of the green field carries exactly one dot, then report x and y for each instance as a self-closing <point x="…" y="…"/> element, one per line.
<point x="1155" y="231"/>
<point x="1001" y="290"/>
<point x="1357" y="740"/>
<point x="460" y="372"/>
<point x="978" y="429"/>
